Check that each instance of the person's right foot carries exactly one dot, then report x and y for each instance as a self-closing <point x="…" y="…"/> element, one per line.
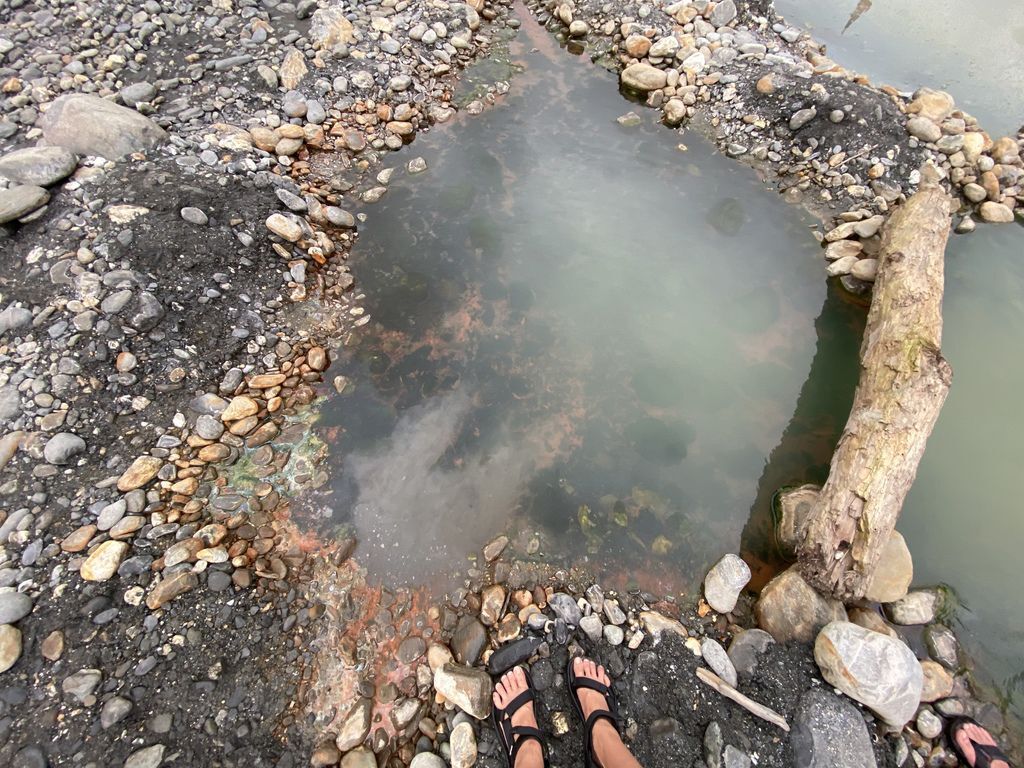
<point x="969" y="735"/>
<point x="604" y="735"/>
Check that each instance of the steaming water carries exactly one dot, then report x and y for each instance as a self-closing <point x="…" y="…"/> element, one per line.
<point x="580" y="330"/>
<point x="584" y="332"/>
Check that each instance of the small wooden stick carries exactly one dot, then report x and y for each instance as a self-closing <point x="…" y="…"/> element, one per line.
<point x="750" y="705"/>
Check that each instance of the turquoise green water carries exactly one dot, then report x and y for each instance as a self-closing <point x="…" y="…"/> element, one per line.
<point x="973" y="50"/>
<point x="963" y="520"/>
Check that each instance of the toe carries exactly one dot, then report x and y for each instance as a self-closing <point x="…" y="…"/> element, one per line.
<point x="502" y="691"/>
<point x="602" y="676"/>
<point x="520" y="679"/>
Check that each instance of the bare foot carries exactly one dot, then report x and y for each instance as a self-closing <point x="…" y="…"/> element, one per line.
<point x="969" y="733"/>
<point x="606" y="738"/>
<point x="513" y="683"/>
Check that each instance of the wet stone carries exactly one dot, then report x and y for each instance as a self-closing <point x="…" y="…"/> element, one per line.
<point x="411" y="649"/>
<point x="517" y="652"/>
<point x="565" y="608"/>
<point x="468" y="641"/>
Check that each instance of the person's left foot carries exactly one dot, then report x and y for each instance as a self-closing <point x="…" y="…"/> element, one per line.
<point x="512" y="684"/>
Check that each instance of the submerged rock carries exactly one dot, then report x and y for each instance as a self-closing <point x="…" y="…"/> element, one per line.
<point x="90" y="125"/>
<point x="879" y="671"/>
<point x="918" y="607"/>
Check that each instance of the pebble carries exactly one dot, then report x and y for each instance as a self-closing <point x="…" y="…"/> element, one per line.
<point x="14" y="606"/>
<point x="147" y="757"/>
<point x="463" y="746"/>
<point x="929" y="724"/>
<point x="284" y="227"/>
<point x="10" y="646"/>
<point x="716" y="657"/>
<point x="613" y="635"/>
<point x="592" y="628"/>
<point x="801" y="118"/>
<point x="62" y="447"/>
<point x="194" y="216"/>
<point x="104" y="561"/>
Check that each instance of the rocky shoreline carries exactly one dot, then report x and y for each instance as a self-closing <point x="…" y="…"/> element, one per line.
<point x="825" y="137"/>
<point x="176" y="276"/>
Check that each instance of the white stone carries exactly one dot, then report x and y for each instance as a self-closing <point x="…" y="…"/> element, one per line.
<point x="879" y="671"/>
<point x="725" y="581"/>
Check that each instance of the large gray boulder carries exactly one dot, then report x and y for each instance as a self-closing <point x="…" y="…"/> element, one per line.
<point x="38" y="166"/>
<point x="829" y="732"/>
<point x="879" y="671"/>
<point x="89" y="125"/>
<point x="792" y="611"/>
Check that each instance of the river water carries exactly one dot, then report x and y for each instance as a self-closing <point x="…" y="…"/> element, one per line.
<point x="963" y="518"/>
<point x="975" y="51"/>
<point x="615" y="348"/>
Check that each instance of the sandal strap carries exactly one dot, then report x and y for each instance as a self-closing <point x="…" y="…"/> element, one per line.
<point x="518" y="702"/>
<point x="594" y="685"/>
<point x="522" y="740"/>
<point x="598" y="715"/>
<point x="986" y="754"/>
<point x="527" y="732"/>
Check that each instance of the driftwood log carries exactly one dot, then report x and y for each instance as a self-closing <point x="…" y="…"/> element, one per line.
<point x="903" y="384"/>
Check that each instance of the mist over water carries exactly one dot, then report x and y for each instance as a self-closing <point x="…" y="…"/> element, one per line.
<point x="580" y="331"/>
<point x="415" y="511"/>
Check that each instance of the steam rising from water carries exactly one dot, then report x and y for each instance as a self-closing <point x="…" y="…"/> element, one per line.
<point x="412" y="516"/>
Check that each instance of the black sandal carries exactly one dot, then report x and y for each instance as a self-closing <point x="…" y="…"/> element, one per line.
<point x="611" y="714"/>
<point x="984" y="754"/>
<point x="514" y="736"/>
